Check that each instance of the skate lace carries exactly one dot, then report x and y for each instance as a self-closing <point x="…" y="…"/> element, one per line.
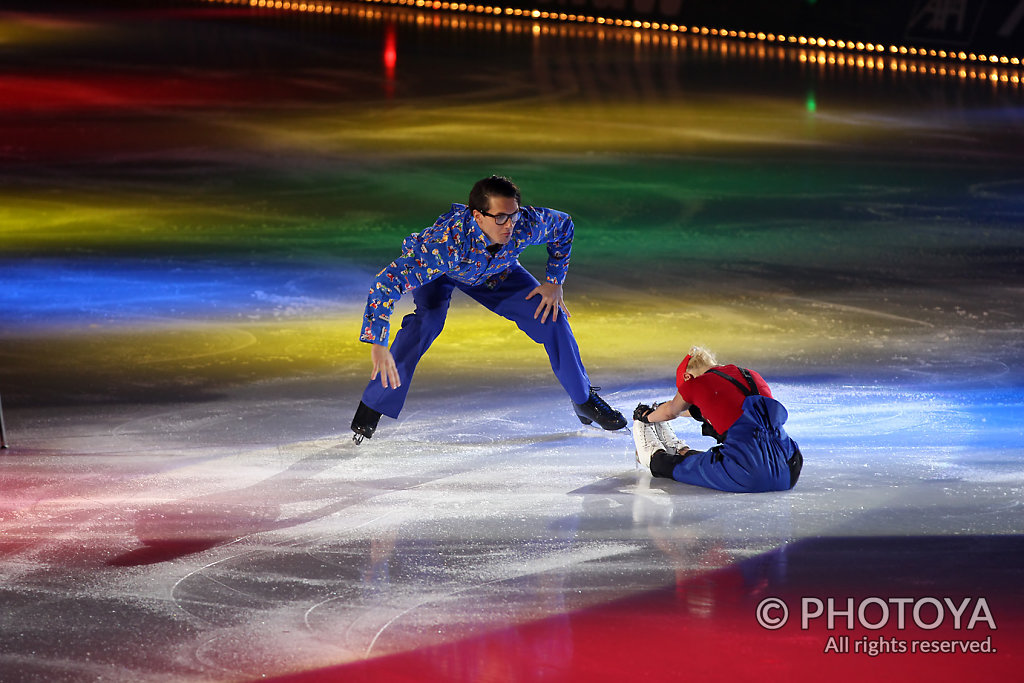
<point x="667" y="435"/>
<point x="599" y="403"/>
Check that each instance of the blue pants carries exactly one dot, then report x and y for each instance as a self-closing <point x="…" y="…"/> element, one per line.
<point x="507" y="298"/>
<point x="754" y="456"/>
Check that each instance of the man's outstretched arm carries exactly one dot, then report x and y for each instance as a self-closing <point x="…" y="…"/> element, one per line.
<point x="425" y="256"/>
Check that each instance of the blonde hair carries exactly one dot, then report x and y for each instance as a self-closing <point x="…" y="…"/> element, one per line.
<point x="701" y="360"/>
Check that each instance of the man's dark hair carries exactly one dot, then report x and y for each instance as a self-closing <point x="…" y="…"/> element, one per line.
<point x="496" y="185"/>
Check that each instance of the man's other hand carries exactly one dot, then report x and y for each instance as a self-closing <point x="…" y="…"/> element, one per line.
<point x="384" y="365"/>
<point x="550" y="301"/>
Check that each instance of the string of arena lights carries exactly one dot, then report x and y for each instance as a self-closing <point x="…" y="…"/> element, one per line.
<point x="822" y="52"/>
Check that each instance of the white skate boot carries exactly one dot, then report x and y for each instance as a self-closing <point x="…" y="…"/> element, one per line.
<point x="646" y="441"/>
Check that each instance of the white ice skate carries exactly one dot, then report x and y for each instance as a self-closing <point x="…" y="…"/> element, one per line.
<point x="647" y="443"/>
<point x="667" y="436"/>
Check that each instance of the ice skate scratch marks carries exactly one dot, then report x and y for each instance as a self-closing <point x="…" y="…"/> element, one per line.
<point x="1000" y="189"/>
<point x="550" y="562"/>
<point x="857" y="309"/>
<point x="201" y="571"/>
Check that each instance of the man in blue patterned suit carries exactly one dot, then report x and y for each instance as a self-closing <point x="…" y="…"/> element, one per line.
<point x="475" y="248"/>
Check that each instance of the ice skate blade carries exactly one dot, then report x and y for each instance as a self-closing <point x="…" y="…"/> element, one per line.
<point x="590" y="423"/>
<point x="597" y="430"/>
<point x="357" y="438"/>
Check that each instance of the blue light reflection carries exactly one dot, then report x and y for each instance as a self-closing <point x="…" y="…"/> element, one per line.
<point x="50" y="292"/>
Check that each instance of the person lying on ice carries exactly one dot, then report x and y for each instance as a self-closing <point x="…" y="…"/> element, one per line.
<point x="475" y="248"/>
<point x="736" y="407"/>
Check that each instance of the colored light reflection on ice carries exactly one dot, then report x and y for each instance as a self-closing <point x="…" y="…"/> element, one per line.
<point x="91" y="292"/>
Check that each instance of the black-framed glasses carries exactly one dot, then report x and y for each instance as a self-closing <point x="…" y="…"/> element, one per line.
<point x="502" y="218"/>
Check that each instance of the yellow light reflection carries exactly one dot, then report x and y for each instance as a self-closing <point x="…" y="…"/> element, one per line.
<point x="84" y="221"/>
<point x="24" y="29"/>
<point x="616" y="338"/>
<point x="558" y="127"/>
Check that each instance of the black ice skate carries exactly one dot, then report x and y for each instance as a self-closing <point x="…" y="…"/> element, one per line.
<point x="364" y="424"/>
<point x="594" y="409"/>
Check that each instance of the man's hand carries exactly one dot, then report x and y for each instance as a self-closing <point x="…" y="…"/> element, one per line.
<point x="384" y="365"/>
<point x="550" y="301"/>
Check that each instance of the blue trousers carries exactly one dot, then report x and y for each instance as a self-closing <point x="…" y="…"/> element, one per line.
<point x="506" y="297"/>
<point x="754" y="457"/>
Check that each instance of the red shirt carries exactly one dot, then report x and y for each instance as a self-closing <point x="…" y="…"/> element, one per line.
<point x="719" y="400"/>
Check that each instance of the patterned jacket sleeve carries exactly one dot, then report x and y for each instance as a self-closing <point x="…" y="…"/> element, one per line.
<point x="554" y="228"/>
<point x="425" y="256"/>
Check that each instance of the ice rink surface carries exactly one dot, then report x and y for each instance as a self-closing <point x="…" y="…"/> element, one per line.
<point x="194" y="202"/>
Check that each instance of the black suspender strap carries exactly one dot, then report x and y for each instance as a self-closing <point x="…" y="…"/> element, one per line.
<point x="750" y="380"/>
<point x="747" y="391"/>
